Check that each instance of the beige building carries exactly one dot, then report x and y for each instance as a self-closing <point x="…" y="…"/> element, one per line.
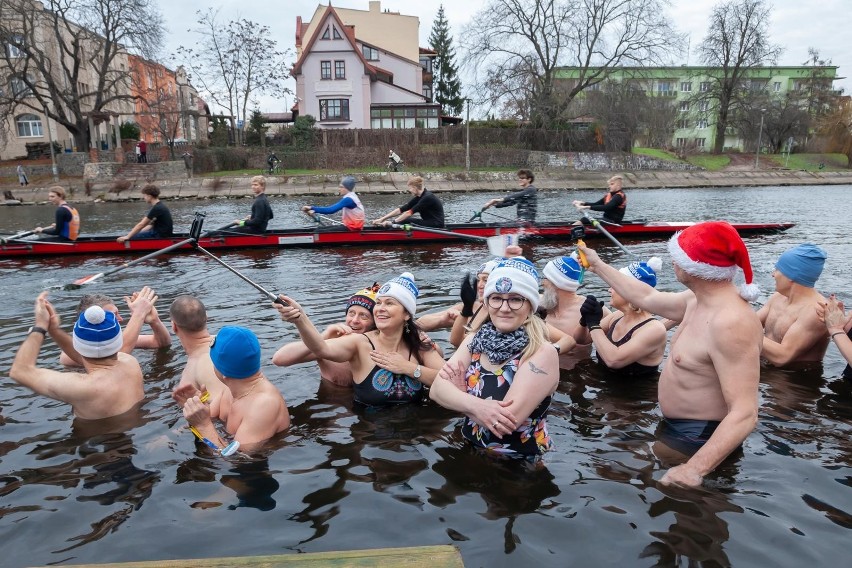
<point x="29" y="40"/>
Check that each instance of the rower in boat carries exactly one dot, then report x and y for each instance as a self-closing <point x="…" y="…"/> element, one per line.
<point x="66" y="226"/>
<point x="261" y="212"/>
<point x="353" y="211"/>
<point x="525" y="198"/>
<point x="613" y="204"/>
<point x="424" y="202"/>
<point x="157" y="223"/>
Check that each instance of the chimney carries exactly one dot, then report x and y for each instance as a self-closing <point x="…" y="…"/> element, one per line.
<point x="375" y="6"/>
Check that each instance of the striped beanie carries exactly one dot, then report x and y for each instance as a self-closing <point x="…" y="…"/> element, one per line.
<point x="644" y="271"/>
<point x="564" y="272"/>
<point x="97" y="333"/>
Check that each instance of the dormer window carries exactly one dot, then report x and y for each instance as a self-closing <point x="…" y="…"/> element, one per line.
<point x="335" y="33"/>
<point x="327" y="33"/>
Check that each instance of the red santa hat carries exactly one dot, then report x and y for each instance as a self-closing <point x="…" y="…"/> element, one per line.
<point x="714" y="251"/>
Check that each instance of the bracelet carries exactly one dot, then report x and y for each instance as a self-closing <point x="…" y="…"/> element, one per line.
<point x="593" y="327"/>
<point x="835" y="334"/>
<point x="558" y="349"/>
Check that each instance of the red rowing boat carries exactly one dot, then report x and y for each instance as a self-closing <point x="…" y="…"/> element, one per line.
<point x="322" y="236"/>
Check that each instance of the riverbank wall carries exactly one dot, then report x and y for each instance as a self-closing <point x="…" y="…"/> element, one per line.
<point x="240" y="186"/>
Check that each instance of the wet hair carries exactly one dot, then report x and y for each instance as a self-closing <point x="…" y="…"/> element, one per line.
<point x="259" y="179"/>
<point x="188" y="313"/>
<point x="416" y="181"/>
<point x="90" y="300"/>
<point x="151" y="190"/>
<point x="58" y="190"/>
<point x="526" y="174"/>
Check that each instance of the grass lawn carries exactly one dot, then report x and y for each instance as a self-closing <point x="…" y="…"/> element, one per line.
<point x="657" y="153"/>
<point x="811" y="162"/>
<point x="710" y="162"/>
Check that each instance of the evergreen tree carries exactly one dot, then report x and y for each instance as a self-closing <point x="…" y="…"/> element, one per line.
<point x="447" y="87"/>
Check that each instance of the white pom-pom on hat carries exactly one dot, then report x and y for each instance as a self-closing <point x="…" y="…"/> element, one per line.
<point x="95" y="314"/>
<point x="655" y="263"/>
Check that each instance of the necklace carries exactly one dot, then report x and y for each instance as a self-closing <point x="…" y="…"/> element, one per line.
<point x="248" y="392"/>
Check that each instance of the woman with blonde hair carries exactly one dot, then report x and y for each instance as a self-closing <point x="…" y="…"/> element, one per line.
<point x="503" y="375"/>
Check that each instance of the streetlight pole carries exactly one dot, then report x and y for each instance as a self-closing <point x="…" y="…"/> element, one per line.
<point x="467" y="138"/>
<point x="759" y="136"/>
<point x="53" y="167"/>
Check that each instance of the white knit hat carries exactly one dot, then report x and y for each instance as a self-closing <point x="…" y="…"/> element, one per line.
<point x="403" y="289"/>
<point x="97" y="333"/>
<point x="516" y="275"/>
<point x="564" y="273"/>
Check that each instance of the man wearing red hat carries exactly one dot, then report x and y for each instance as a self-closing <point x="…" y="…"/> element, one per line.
<point x="708" y="386"/>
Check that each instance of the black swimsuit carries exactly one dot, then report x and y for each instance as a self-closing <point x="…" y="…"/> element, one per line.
<point x="847" y="372"/>
<point x="383" y="388"/>
<point x="633" y="369"/>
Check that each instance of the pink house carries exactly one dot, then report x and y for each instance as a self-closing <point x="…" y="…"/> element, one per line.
<point x="349" y="81"/>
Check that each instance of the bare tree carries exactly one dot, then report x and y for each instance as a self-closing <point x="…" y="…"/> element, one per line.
<point x="234" y="62"/>
<point x="68" y="60"/>
<point x="512" y="39"/>
<point x="836" y="127"/>
<point x="737" y="40"/>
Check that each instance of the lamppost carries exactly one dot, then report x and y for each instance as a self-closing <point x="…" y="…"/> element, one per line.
<point x="759" y="136"/>
<point x="467" y="138"/>
<point x="53" y="167"/>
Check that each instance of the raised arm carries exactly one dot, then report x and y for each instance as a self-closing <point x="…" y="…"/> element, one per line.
<point x="139" y="304"/>
<point x="669" y="305"/>
<point x="342" y="349"/>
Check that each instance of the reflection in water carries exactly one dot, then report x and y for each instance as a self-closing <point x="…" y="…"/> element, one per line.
<point x="100" y="469"/>
<point x="510" y="488"/>
<point x="698" y="533"/>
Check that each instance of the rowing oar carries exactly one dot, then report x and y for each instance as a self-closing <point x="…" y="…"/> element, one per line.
<point x="246" y="279"/>
<point x="5" y="240"/>
<point x="496" y="244"/>
<point x="596" y="224"/>
<point x="194" y="235"/>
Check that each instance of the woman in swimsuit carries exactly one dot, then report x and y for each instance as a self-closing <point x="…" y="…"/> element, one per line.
<point x="630" y="342"/>
<point x="391" y="364"/>
<point x="504" y="375"/>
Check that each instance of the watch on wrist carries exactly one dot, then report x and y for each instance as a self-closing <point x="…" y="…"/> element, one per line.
<point x="558" y="349"/>
<point x="38" y="329"/>
<point x="417" y="372"/>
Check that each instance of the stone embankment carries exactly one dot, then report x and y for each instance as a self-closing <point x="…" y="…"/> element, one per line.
<point x="206" y="187"/>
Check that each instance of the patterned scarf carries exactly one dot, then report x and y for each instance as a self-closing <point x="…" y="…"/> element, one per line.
<point x="498" y="346"/>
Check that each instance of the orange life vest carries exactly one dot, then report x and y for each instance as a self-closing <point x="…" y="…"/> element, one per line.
<point x="609" y="195"/>
<point x="72" y="230"/>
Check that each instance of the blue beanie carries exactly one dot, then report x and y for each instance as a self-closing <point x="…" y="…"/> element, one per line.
<point x="97" y="333"/>
<point x="564" y="273"/>
<point x="802" y="264"/>
<point x="235" y="352"/>
<point x="348" y="182"/>
<point x="644" y="271"/>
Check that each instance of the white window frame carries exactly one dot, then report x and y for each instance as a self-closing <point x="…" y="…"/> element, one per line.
<point x="684" y="106"/>
<point x="31" y="123"/>
<point x="685" y="87"/>
<point x="704" y="86"/>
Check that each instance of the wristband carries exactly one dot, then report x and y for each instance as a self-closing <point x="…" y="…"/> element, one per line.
<point x="835" y="334"/>
<point x="593" y="327"/>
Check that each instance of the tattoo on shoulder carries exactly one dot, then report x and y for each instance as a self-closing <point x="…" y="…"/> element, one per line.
<point x="536" y="370"/>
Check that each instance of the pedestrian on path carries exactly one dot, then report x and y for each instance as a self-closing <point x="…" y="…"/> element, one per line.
<point x="22" y="176"/>
<point x="187" y="161"/>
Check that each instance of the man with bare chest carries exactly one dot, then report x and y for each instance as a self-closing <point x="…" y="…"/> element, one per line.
<point x="708" y="386"/>
<point x="189" y="324"/>
<point x="792" y="331"/>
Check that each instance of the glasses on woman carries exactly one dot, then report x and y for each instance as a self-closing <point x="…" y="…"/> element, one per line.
<point x="515" y="302"/>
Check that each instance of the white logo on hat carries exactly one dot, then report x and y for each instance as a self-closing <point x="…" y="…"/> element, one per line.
<point x="503" y="285"/>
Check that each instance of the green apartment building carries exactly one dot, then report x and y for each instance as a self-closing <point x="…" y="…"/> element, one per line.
<point x="691" y="89"/>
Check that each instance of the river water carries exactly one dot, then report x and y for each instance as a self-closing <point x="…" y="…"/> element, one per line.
<point x="341" y="478"/>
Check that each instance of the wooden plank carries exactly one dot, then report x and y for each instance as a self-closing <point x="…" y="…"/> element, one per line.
<point x="413" y="557"/>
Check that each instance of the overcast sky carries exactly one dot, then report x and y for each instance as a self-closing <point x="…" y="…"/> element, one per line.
<point x="796" y="25"/>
